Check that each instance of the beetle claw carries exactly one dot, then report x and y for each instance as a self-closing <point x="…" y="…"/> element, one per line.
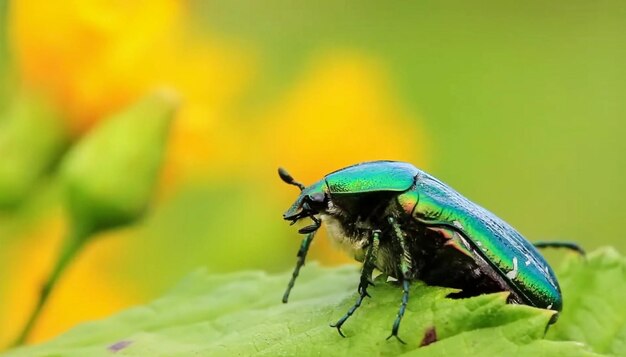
<point x="362" y="290"/>
<point x="338" y="327"/>
<point x="397" y="337"/>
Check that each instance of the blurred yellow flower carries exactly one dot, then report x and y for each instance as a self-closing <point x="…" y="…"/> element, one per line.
<point x="341" y="112"/>
<point x="96" y="57"/>
<point x="92" y="56"/>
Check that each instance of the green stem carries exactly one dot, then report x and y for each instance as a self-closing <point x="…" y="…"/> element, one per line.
<point x="72" y="245"/>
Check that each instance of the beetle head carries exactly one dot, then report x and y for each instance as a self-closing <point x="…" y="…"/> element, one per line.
<point x="312" y="200"/>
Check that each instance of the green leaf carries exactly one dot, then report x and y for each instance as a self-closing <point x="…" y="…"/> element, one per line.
<point x="241" y="314"/>
<point x="594" y="306"/>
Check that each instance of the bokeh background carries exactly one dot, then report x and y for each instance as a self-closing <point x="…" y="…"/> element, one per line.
<point x="518" y="105"/>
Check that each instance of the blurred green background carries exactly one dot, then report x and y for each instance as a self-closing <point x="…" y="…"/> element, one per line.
<point x="519" y="106"/>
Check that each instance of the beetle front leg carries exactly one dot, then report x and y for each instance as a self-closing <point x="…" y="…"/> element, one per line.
<point x="366" y="275"/>
<point x="304" y="248"/>
<point x="404" y="266"/>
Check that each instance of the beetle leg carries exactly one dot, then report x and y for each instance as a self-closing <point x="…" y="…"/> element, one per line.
<point x="567" y="245"/>
<point x="304" y="248"/>
<point x="366" y="274"/>
<point x="368" y="264"/>
<point x="405" y="300"/>
<point x="405" y="269"/>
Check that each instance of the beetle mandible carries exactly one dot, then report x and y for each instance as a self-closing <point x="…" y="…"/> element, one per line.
<point x="406" y="223"/>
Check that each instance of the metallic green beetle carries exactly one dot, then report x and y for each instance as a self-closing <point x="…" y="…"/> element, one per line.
<point x="409" y="225"/>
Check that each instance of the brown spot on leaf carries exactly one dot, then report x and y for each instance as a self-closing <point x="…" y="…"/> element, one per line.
<point x="430" y="336"/>
<point x="117" y="346"/>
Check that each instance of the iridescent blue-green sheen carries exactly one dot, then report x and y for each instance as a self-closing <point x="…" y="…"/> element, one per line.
<point x="318" y="187"/>
<point x="517" y="260"/>
<point x="361" y="178"/>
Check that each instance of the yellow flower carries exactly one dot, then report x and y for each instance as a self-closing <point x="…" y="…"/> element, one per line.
<point x="340" y="113"/>
<point x="96" y="57"/>
<point x="93" y="57"/>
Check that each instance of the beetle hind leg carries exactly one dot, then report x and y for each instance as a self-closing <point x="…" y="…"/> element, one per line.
<point x="366" y="274"/>
<point x="565" y="245"/>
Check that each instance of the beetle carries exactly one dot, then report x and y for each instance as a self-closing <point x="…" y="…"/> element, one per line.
<point x="396" y="218"/>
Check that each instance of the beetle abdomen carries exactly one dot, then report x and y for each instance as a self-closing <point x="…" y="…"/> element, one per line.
<point x="510" y="254"/>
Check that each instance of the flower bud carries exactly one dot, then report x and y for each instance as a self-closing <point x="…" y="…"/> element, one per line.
<point x="32" y="137"/>
<point x="109" y="176"/>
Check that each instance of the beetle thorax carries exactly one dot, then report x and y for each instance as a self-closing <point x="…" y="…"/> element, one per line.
<point x="350" y="221"/>
<point x="345" y="233"/>
<point x="353" y="244"/>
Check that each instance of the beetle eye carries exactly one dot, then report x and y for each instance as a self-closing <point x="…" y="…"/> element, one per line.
<point x="317" y="201"/>
<point x="317" y="197"/>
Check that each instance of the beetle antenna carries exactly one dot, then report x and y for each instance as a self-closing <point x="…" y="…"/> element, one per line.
<point x="288" y="179"/>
